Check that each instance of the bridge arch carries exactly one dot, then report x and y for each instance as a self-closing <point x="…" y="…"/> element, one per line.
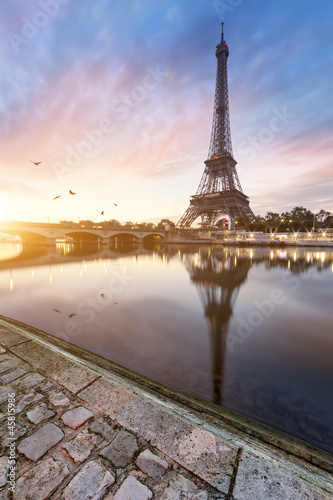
<point x="228" y="219"/>
<point x="153" y="237"/>
<point x="40" y="232"/>
<point x="124" y="237"/>
<point x="26" y="235"/>
<point x="82" y="235"/>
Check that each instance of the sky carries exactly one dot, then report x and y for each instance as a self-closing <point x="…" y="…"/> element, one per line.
<point x="116" y="100"/>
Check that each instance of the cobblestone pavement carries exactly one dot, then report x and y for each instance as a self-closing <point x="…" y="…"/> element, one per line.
<point x="80" y="436"/>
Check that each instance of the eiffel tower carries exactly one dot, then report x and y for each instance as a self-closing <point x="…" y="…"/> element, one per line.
<point x="219" y="192"/>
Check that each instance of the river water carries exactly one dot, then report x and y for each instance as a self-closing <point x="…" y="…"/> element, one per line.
<point x="247" y="329"/>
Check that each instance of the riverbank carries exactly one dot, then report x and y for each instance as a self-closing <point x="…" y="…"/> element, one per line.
<point x="273" y="244"/>
<point x="80" y="426"/>
<point x="253" y="243"/>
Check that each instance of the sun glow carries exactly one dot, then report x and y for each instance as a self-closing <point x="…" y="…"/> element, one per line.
<point x="9" y="250"/>
<point x="3" y="213"/>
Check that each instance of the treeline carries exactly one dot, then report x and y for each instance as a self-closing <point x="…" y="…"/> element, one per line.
<point x="298" y="219"/>
<point x="115" y="224"/>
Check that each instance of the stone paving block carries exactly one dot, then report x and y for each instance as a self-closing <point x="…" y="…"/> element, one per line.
<point x="9" y="377"/>
<point x="180" y="487"/>
<point x="59" y="399"/>
<point x="122" y="449"/>
<point x="199" y="451"/>
<point x="40" y="481"/>
<point x="9" y="337"/>
<point x="107" y="396"/>
<point x="26" y="400"/>
<point x="4" y="467"/>
<point x="31" y="380"/>
<point x="40" y="413"/>
<point x="4" y="495"/>
<point x="47" y="387"/>
<point x="19" y="431"/>
<point x="76" y="417"/>
<point x="92" y="482"/>
<point x="152" y="464"/>
<point x="103" y="429"/>
<point x="36" y="445"/>
<point x="80" y="447"/>
<point x="132" y="489"/>
<point x="109" y="496"/>
<point x="9" y="364"/>
<point x="4" y="391"/>
<point x="260" y="480"/>
<point x="66" y="372"/>
<point x="4" y="357"/>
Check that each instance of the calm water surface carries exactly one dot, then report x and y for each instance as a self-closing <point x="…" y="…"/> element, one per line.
<point x="247" y="329"/>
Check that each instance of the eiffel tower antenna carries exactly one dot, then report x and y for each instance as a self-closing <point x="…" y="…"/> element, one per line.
<point x="219" y="193"/>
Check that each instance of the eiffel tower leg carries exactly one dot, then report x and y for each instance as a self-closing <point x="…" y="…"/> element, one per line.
<point x="189" y="216"/>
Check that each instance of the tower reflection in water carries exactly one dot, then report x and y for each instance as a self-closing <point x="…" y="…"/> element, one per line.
<point x="218" y="277"/>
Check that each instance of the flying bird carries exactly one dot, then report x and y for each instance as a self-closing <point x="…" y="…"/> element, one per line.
<point x="56" y="310"/>
<point x="102" y="213"/>
<point x="56" y="197"/>
<point x="115" y="204"/>
<point x="103" y="295"/>
<point x="36" y="162"/>
<point x="115" y="303"/>
<point x="71" y="315"/>
<point x="71" y="192"/>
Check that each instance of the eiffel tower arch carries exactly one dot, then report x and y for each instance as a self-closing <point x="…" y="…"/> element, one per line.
<point x="219" y="192"/>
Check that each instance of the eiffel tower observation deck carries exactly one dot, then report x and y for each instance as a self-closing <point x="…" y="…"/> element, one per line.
<point x="220" y="193"/>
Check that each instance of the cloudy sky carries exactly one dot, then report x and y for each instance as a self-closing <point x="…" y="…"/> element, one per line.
<point x="115" y="98"/>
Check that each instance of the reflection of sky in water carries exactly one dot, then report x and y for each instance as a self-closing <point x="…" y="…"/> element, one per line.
<point x="171" y="313"/>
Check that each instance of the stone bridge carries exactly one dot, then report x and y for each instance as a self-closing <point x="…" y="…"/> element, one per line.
<point x="49" y="233"/>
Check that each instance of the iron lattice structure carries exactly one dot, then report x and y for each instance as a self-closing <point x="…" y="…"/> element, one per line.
<point x="220" y="192"/>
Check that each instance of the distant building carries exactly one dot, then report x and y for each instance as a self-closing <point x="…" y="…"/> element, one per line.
<point x="167" y="224"/>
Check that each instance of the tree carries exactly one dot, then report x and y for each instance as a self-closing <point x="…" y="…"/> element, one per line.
<point x="243" y="222"/>
<point x="110" y="224"/>
<point x="302" y="218"/>
<point x="301" y="213"/>
<point x="322" y="217"/>
<point x="273" y="218"/>
<point x="129" y="224"/>
<point x="87" y="223"/>
<point x="257" y="224"/>
<point x="66" y="223"/>
<point x="329" y="221"/>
